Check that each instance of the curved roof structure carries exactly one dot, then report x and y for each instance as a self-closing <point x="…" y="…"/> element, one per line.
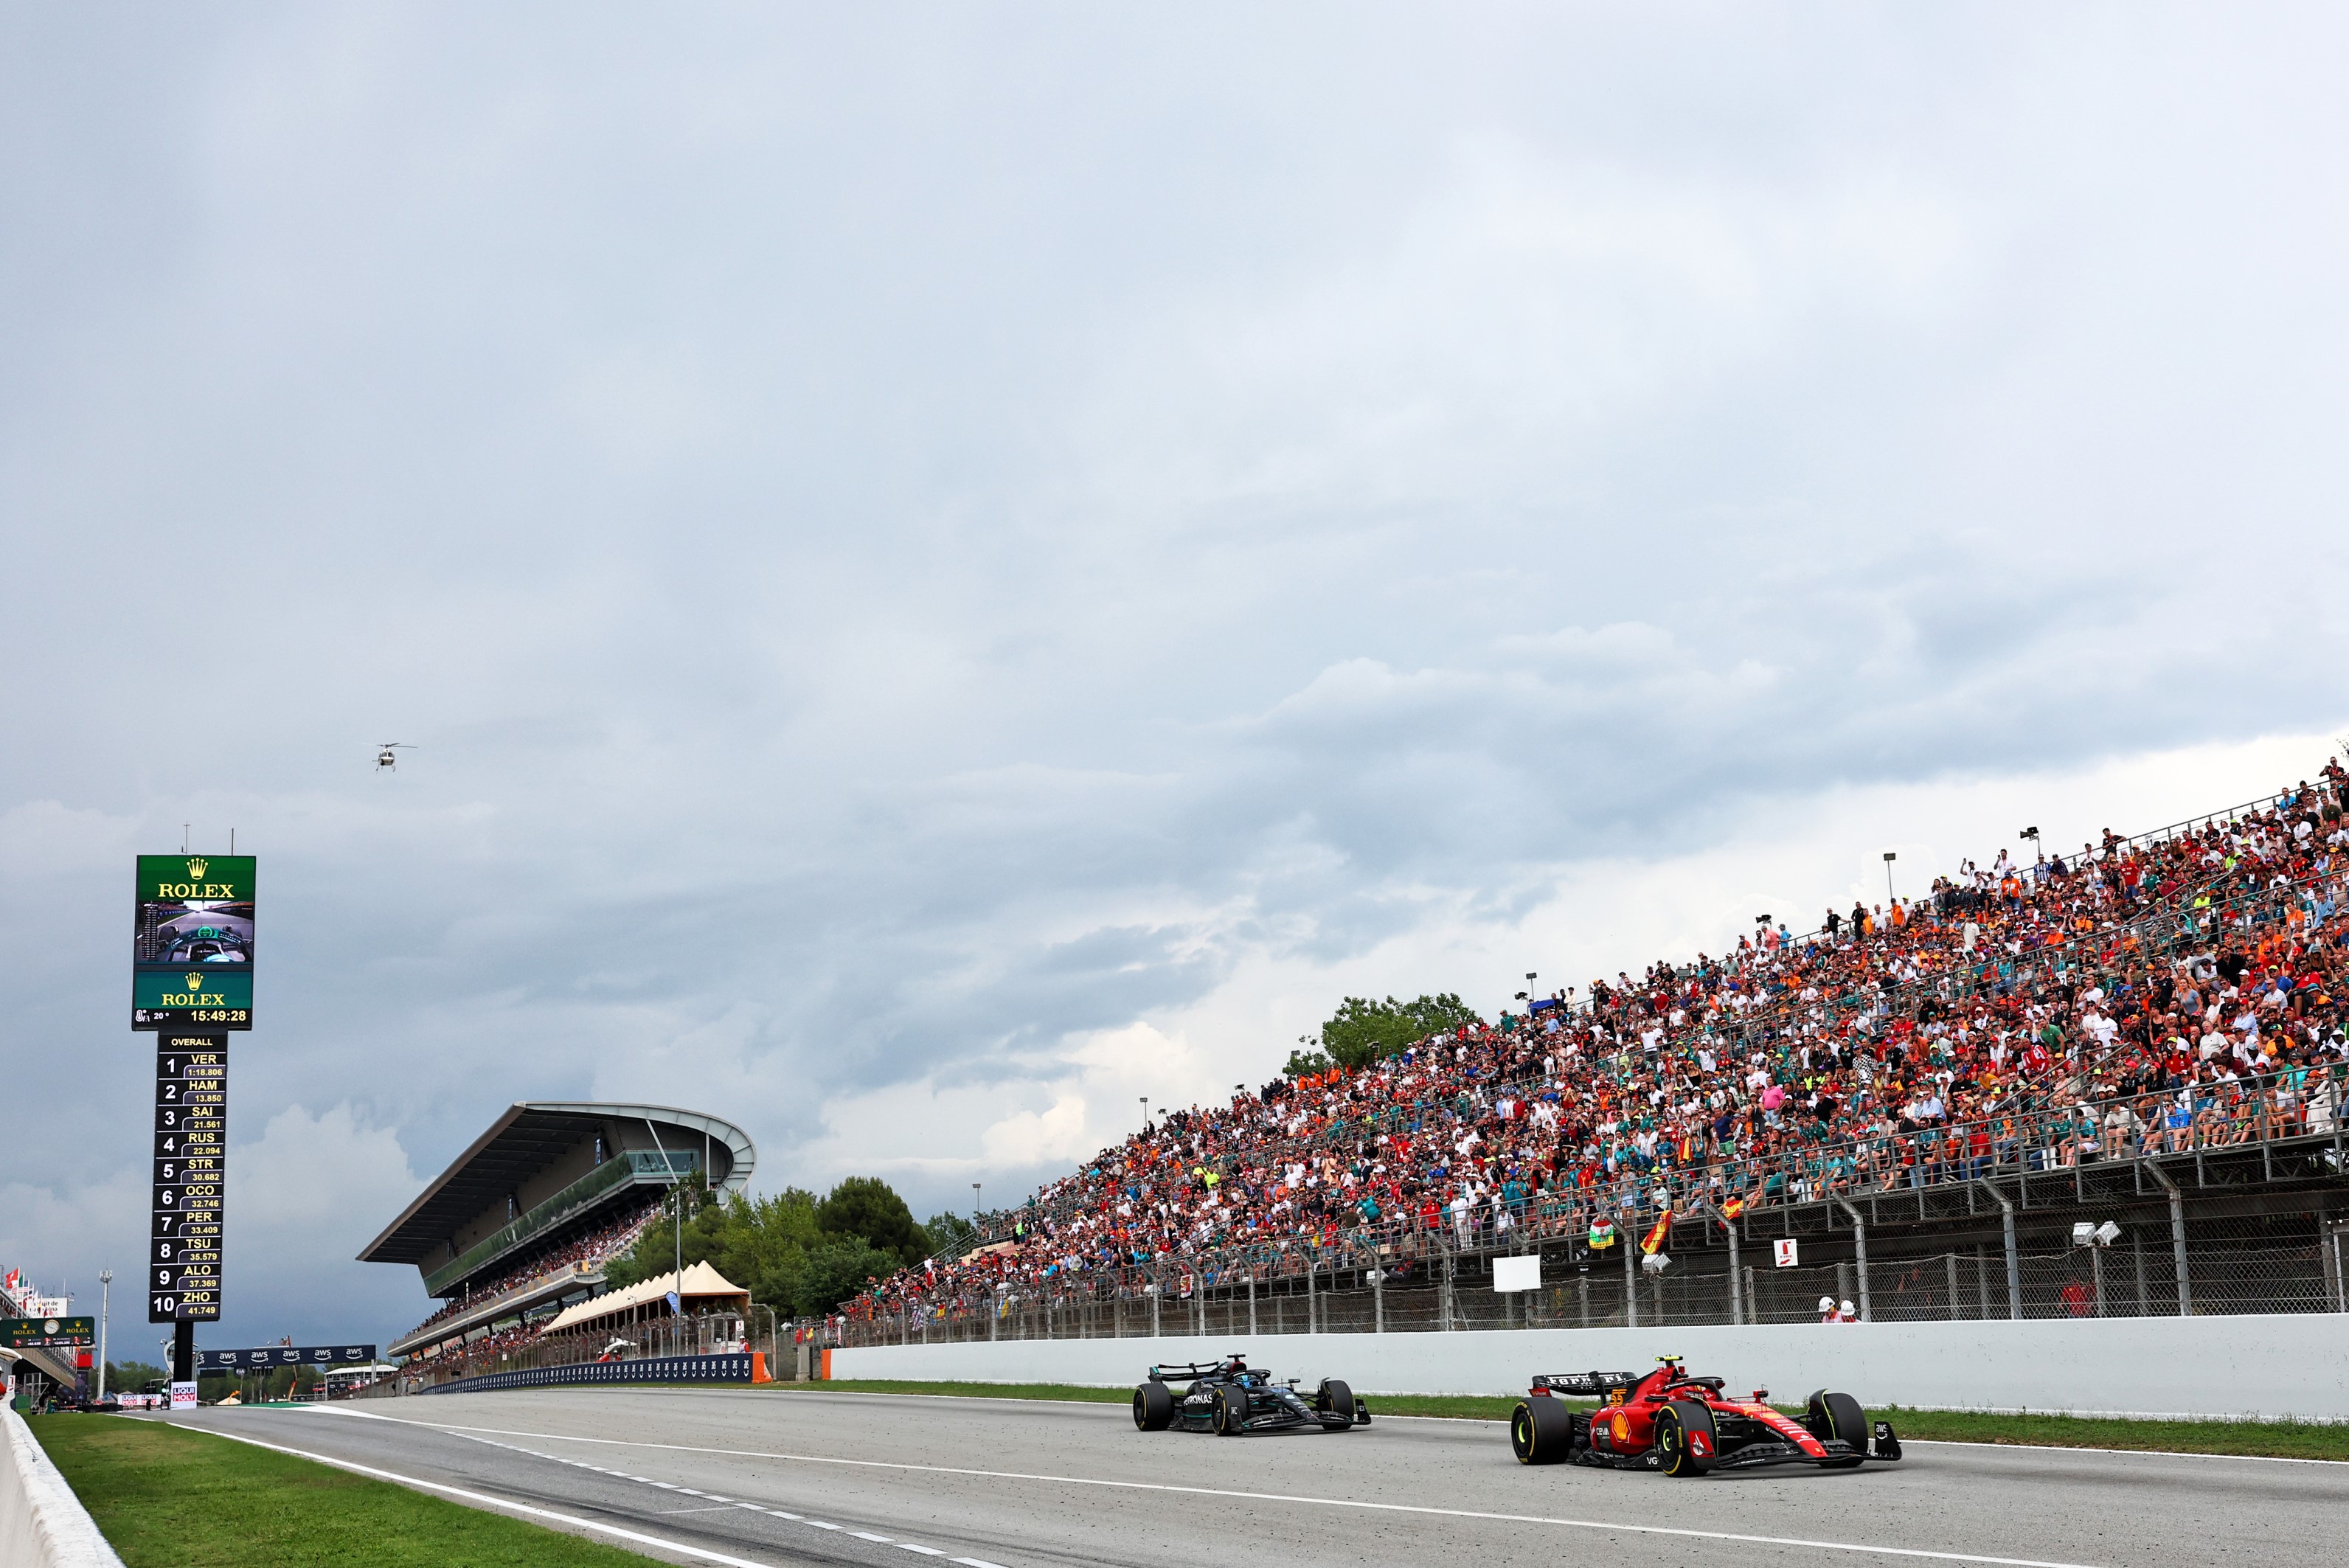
<point x="531" y="1136"/>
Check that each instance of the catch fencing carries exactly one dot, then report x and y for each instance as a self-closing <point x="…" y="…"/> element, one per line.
<point x="2254" y="1226"/>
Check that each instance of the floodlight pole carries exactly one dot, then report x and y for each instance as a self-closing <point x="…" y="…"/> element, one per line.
<point x="105" y="1304"/>
<point x="675" y="1181"/>
<point x="1889" y="857"/>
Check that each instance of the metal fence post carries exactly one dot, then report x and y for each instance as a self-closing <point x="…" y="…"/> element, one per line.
<point x="1736" y="1302"/>
<point x="1859" y="1241"/>
<point x="1251" y="1304"/>
<point x="2176" y="1236"/>
<point x="2014" y="1262"/>
<point x="1631" y="1283"/>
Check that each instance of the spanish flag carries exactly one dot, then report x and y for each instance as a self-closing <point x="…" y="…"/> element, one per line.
<point x="1732" y="1208"/>
<point x="1653" y="1242"/>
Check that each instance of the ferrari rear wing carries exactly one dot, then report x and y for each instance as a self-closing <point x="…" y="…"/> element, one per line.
<point x="1585" y="1385"/>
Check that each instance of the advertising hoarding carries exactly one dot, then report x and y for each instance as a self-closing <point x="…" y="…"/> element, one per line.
<point x="17" y="1333"/>
<point x="274" y="1355"/>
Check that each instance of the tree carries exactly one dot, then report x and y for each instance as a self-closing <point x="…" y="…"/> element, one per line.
<point x="868" y="1207"/>
<point x="1363" y="1031"/>
<point x="130" y="1377"/>
<point x="835" y="1271"/>
<point x="950" y="1234"/>
<point x="797" y="1253"/>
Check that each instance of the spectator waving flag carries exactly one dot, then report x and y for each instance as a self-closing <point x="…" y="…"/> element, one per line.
<point x="1653" y="1242"/>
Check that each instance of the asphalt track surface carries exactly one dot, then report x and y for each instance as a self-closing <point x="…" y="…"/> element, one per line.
<point x="771" y="1478"/>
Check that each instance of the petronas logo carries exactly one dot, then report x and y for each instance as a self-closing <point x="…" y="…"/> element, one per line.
<point x="196" y="867"/>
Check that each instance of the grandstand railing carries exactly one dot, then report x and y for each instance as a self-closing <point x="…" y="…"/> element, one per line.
<point x="621" y="1170"/>
<point x="489" y="1308"/>
<point x="2282" y="1127"/>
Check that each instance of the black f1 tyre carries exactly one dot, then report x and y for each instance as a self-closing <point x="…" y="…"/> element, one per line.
<point x="1837" y="1418"/>
<point x="1541" y="1432"/>
<point x="1231" y="1412"/>
<point x="1153" y="1407"/>
<point x="1685" y="1440"/>
<point x="1338" y="1399"/>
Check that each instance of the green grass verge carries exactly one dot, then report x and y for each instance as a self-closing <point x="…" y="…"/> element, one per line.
<point x="2266" y="1439"/>
<point x="168" y="1498"/>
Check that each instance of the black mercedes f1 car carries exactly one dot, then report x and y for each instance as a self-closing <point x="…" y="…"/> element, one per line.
<point x="1684" y="1425"/>
<point x="1229" y="1397"/>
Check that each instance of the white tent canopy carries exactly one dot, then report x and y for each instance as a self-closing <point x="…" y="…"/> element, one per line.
<point x="700" y="1283"/>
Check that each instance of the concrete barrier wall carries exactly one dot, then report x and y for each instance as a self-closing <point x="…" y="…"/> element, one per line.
<point x="41" y="1524"/>
<point x="2267" y="1366"/>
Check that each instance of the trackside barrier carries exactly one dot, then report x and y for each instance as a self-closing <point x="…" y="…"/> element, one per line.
<point x="651" y="1369"/>
<point x="41" y="1524"/>
<point x="2286" y="1364"/>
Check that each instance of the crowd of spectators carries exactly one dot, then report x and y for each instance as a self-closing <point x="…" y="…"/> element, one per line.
<point x="607" y="1239"/>
<point x="2174" y="991"/>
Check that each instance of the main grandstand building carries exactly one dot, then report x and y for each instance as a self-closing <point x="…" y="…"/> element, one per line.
<point x="522" y="1224"/>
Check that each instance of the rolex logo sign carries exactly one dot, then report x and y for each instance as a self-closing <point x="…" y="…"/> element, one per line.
<point x="196" y="868"/>
<point x="195" y="982"/>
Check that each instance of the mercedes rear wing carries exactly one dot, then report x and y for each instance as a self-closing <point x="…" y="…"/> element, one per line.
<point x="1196" y="1368"/>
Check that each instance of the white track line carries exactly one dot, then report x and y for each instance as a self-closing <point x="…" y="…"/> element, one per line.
<point x="716" y="1504"/>
<point x="2124" y="1453"/>
<point x="1256" y="1497"/>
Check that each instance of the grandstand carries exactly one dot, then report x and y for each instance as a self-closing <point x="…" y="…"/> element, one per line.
<point x="522" y="1224"/>
<point x="2108" y="1083"/>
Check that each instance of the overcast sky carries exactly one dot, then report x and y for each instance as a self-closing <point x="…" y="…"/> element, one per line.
<point x="947" y="568"/>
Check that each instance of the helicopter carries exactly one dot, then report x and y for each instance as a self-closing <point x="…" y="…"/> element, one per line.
<point x="384" y="760"/>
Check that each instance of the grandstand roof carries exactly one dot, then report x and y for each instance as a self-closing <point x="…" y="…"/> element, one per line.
<point x="526" y="1139"/>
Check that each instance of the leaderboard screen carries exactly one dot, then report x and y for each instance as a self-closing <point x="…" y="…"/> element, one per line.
<point x="183" y="1262"/>
<point x="192" y="942"/>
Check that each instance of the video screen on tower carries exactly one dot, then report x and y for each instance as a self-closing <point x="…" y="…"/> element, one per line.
<point x="192" y="942"/>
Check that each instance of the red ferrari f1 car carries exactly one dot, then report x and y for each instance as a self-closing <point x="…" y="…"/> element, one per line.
<point x="1686" y="1426"/>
